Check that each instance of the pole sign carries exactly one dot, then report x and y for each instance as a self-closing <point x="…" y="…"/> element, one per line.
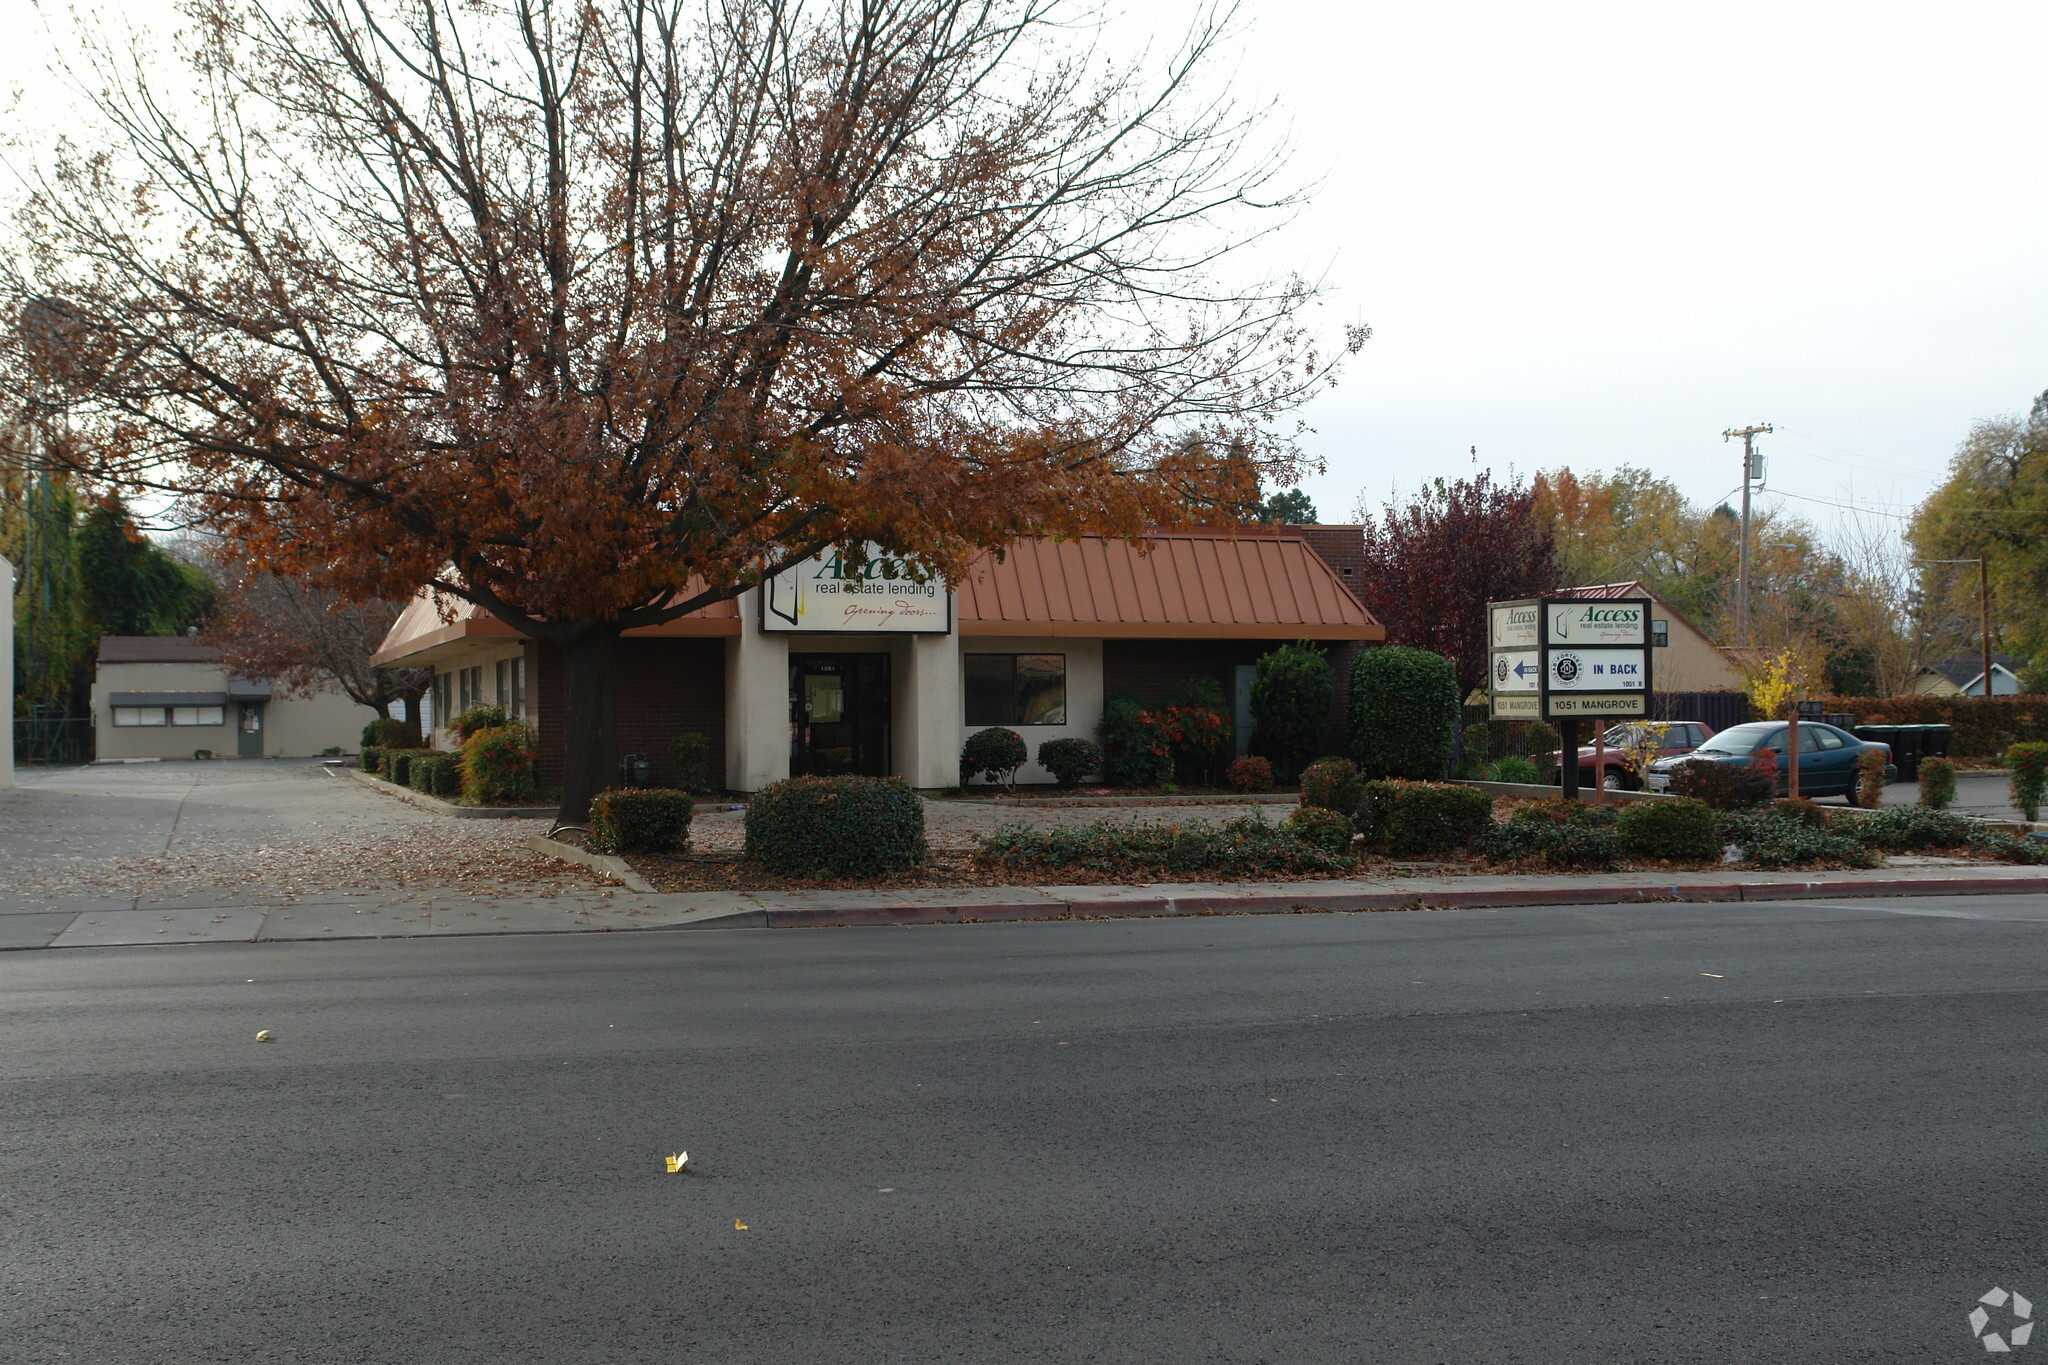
<point x="1565" y="658"/>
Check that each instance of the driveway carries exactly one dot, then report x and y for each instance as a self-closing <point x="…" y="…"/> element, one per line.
<point x="1989" y="797"/>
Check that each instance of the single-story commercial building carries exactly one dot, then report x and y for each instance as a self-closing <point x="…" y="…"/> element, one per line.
<point x="839" y="666"/>
<point x="169" y="697"/>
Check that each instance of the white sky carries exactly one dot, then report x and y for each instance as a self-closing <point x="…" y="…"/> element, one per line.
<point x="1600" y="234"/>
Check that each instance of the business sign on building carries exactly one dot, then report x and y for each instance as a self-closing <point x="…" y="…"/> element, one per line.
<point x="863" y="593"/>
<point x="1567" y="658"/>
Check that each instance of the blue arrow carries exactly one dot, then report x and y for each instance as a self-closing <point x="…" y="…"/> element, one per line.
<point x="1523" y="670"/>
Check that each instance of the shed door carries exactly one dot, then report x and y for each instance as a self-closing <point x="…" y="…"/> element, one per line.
<point x="249" y="730"/>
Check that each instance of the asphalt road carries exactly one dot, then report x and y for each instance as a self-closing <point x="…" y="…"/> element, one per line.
<point x="1707" y="1133"/>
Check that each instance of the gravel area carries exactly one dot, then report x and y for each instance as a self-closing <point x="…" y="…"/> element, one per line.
<point x="253" y="827"/>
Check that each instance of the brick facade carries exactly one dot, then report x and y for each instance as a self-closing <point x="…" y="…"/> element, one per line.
<point x="665" y="688"/>
<point x="1340" y="547"/>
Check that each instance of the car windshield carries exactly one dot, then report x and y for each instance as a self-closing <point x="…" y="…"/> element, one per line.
<point x="1619" y="737"/>
<point x="1742" y="739"/>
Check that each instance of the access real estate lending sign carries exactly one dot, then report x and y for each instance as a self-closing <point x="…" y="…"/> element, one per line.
<point x="1555" y="658"/>
<point x="868" y="591"/>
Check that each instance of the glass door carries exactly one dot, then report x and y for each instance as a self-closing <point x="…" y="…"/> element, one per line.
<point x="838" y="714"/>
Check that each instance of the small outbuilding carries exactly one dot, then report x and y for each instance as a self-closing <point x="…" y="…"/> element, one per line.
<point x="170" y="697"/>
<point x="1963" y="676"/>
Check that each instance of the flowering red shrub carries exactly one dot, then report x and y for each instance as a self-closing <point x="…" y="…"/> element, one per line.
<point x="1250" y="774"/>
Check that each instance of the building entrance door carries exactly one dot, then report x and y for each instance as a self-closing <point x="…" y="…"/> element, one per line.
<point x="838" y="714"/>
<point x="249" y="730"/>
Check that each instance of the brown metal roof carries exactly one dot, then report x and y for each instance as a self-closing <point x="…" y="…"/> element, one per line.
<point x="419" y="626"/>
<point x="1253" y="586"/>
<point x="156" y="649"/>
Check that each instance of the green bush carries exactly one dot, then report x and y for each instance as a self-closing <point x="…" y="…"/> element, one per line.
<point x="497" y="766"/>
<point x="1069" y="760"/>
<point x="1252" y="773"/>
<point x="1325" y="829"/>
<point x="691" y="754"/>
<point x="1769" y="839"/>
<point x="397" y="763"/>
<point x="643" y="820"/>
<point x="1808" y="812"/>
<point x="1196" y="731"/>
<point x="1563" y="845"/>
<point x="836" y="826"/>
<point x="1559" y="811"/>
<point x="1291" y="689"/>
<point x="1513" y="768"/>
<point x="484" y="716"/>
<point x="1679" y="830"/>
<point x="1487" y="740"/>
<point x="1983" y="726"/>
<point x="1404" y="703"/>
<point x="1901" y="829"/>
<point x="1724" y="786"/>
<point x="1407" y="819"/>
<point x="1870" y="767"/>
<point x="1937" y="783"/>
<point x="1135" y="749"/>
<point x="433" y="773"/>
<point x="373" y="759"/>
<point x="993" y="755"/>
<point x="1245" y="847"/>
<point x="2012" y="848"/>
<point x="385" y="733"/>
<point x="2026" y="767"/>
<point x="1333" y="784"/>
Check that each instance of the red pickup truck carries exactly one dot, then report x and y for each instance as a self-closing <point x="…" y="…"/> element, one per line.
<point x="1617" y="773"/>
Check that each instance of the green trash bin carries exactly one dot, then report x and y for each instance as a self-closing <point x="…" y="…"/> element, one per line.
<point x="1905" y="746"/>
<point x="1934" y="740"/>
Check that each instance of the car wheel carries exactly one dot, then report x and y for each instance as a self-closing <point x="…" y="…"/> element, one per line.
<point x="1614" y="781"/>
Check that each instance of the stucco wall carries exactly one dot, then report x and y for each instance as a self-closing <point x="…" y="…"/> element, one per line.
<point x="293" y="727"/>
<point x="1084" y="694"/>
<point x="1691" y="663"/>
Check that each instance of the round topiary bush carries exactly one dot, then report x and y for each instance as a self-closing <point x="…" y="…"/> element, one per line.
<point x="1680" y="830"/>
<point x="994" y="755"/>
<point x="1252" y="773"/>
<point x="1404" y="705"/>
<point x="1331" y="783"/>
<point x="837" y="826"/>
<point x="1325" y="829"/>
<point x="1070" y="761"/>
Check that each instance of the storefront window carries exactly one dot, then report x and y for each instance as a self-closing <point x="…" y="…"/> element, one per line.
<point x="139" y="715"/>
<point x="198" y="715"/>
<point x="1016" y="689"/>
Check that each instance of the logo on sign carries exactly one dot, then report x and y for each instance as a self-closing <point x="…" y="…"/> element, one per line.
<point x="1566" y="667"/>
<point x="1500" y="670"/>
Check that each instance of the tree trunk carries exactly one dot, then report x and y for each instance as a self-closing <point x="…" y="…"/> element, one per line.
<point x="411" y="697"/>
<point x="589" y="719"/>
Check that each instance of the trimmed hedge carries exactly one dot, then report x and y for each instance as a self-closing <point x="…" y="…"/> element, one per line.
<point x="1724" y="786"/>
<point x="1937" y="783"/>
<point x="435" y="774"/>
<point x="497" y="766"/>
<point x="385" y="733"/>
<point x="1070" y="760"/>
<point x="1291" y="688"/>
<point x="1983" y="726"/>
<point x="1564" y="845"/>
<point x="1325" y="829"/>
<point x="1332" y="784"/>
<point x="641" y="820"/>
<point x="1901" y="829"/>
<point x="398" y="763"/>
<point x="2027" y="769"/>
<point x="1680" y="830"/>
<point x="1248" y="846"/>
<point x="372" y="761"/>
<point x="1770" y="839"/>
<point x="478" y="718"/>
<point x="837" y="826"/>
<point x="691" y="753"/>
<point x="1410" y="818"/>
<point x="1404" y="705"/>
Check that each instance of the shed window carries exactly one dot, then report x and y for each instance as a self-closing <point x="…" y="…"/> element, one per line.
<point x="1016" y="689"/>
<point x="198" y="715"/>
<point x="138" y="715"/>
<point x="1660" y="634"/>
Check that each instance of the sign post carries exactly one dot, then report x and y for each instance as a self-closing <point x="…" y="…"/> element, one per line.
<point x="1591" y="660"/>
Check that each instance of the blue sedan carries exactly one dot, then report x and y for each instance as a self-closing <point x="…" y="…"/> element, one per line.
<point x="1827" y="757"/>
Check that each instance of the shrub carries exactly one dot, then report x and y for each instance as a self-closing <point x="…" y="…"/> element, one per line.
<point x="1487" y="740"/>
<point x="1769" y="839"/>
<point x="385" y="733"/>
<point x="398" y="763"/>
<point x="840" y="826"/>
<point x="1291" y="689"/>
<point x="1810" y="813"/>
<point x="1870" y="779"/>
<point x="691" y="754"/>
<point x="497" y="766"/>
<point x="1195" y="730"/>
<point x="1937" y="783"/>
<point x="1724" y="786"/>
<point x="1403" y="705"/>
<point x="1135" y="751"/>
<point x="1251" y="773"/>
<point x="644" y="820"/>
<point x="1325" y="829"/>
<point x="1903" y="828"/>
<point x="2013" y="848"/>
<point x="1561" y="844"/>
<point x="1983" y="725"/>
<point x="373" y="759"/>
<point x="1411" y="818"/>
<point x="1244" y="847"/>
<point x="2026" y="767"/>
<point x="1513" y="768"/>
<point x="433" y="773"/>
<point x="1070" y="761"/>
<point x="1333" y="784"/>
<point x="1679" y="830"/>
<point x="993" y="755"/>
<point x="485" y="716"/>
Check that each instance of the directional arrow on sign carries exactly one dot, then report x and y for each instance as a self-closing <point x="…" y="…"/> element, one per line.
<point x="1523" y="670"/>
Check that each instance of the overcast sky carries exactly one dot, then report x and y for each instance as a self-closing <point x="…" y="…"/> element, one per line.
<point x="1600" y="234"/>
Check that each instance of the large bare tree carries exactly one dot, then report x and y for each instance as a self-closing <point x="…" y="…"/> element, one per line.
<point x="596" y="312"/>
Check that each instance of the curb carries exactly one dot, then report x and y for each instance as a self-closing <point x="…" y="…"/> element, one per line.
<point x="440" y="807"/>
<point x="1006" y="803"/>
<point x="1339" y="902"/>
<point x="602" y="863"/>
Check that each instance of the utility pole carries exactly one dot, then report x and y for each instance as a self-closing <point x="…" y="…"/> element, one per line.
<point x="1750" y="472"/>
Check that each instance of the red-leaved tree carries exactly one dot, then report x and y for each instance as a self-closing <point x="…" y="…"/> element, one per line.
<point x="1432" y="566"/>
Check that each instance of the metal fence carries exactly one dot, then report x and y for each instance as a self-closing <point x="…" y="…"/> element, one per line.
<point x="62" y="740"/>
<point x="1718" y="709"/>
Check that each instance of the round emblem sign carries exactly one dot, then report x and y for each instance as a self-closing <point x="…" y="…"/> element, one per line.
<point x="1565" y="668"/>
<point x="1500" y="670"/>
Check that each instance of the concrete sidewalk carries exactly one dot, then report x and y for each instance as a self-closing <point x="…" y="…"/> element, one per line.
<point x="242" y="918"/>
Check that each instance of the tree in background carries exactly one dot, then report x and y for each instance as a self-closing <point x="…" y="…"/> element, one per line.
<point x="1289" y="507"/>
<point x="1432" y="566"/>
<point x="38" y="533"/>
<point x="128" y="585"/>
<point x="598" y="314"/>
